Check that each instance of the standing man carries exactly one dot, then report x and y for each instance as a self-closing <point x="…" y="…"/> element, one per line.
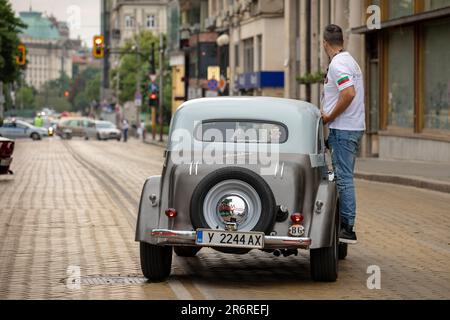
<point x="125" y="127"/>
<point x="344" y="111"/>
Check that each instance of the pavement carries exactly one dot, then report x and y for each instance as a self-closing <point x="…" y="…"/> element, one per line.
<point x="424" y="175"/>
<point x="68" y="219"/>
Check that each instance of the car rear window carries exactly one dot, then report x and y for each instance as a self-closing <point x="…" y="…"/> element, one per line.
<point x="241" y="131"/>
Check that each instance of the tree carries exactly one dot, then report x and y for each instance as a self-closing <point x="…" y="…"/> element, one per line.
<point x="10" y="27"/>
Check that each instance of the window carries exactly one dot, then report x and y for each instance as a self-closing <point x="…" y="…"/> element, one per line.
<point x="436" y="4"/>
<point x="248" y="55"/>
<point x="401" y="78"/>
<point x="129" y="21"/>
<point x="400" y="8"/>
<point x="236" y="131"/>
<point x="236" y="55"/>
<point x="151" y="21"/>
<point x="436" y="75"/>
<point x="259" y="52"/>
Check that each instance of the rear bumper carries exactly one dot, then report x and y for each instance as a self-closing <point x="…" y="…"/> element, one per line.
<point x="172" y="237"/>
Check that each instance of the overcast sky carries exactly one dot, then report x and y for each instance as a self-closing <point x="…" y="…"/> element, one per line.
<point x="83" y="16"/>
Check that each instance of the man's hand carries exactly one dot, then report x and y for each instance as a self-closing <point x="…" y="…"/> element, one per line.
<point x="326" y="117"/>
<point x="345" y="99"/>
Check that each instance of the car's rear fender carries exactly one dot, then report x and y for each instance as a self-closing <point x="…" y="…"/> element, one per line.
<point x="149" y="210"/>
<point x="324" y="215"/>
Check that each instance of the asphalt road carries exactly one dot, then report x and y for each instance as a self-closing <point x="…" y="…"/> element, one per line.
<point x="71" y="209"/>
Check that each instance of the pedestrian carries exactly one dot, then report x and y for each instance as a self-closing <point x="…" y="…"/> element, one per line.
<point x="125" y="127"/>
<point x="38" y="121"/>
<point x="344" y="111"/>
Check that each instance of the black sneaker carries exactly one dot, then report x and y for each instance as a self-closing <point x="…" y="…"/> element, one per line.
<point x="347" y="235"/>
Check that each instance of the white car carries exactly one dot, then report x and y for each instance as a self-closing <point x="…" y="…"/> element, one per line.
<point x="106" y="130"/>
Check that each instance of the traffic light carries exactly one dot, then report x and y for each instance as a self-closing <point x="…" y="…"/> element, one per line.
<point x="98" y="48"/>
<point x="21" y="58"/>
<point x="153" y="99"/>
<point x="66" y="94"/>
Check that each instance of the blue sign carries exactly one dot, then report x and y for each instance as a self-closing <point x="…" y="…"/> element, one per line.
<point x="213" y="84"/>
<point x="152" y="87"/>
<point x="259" y="80"/>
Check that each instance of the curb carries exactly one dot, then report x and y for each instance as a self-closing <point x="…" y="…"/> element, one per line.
<point x="156" y="143"/>
<point x="405" y="181"/>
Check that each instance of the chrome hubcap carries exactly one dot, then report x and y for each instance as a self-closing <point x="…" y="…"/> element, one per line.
<point x="232" y="201"/>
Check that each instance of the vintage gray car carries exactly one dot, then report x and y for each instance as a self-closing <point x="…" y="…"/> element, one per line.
<point x="240" y="174"/>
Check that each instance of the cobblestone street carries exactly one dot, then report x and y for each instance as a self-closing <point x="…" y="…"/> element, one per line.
<point x="74" y="203"/>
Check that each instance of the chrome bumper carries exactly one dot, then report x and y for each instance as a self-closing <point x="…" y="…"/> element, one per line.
<point x="172" y="237"/>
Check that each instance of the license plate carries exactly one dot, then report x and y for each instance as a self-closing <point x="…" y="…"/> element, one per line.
<point x="5" y="162"/>
<point x="220" y="238"/>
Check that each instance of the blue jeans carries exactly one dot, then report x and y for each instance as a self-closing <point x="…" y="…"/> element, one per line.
<point x="345" y="147"/>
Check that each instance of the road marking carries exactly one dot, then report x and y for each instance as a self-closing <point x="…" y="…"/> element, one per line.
<point x="179" y="290"/>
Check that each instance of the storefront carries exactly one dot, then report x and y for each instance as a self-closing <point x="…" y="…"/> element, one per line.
<point x="408" y="82"/>
<point x="263" y="83"/>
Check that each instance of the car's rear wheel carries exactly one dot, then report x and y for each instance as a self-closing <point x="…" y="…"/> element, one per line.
<point x="325" y="261"/>
<point x="35" y="136"/>
<point x="186" y="251"/>
<point x="156" y="261"/>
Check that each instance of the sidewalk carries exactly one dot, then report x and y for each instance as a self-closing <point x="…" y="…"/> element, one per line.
<point x="425" y="175"/>
<point x="156" y="142"/>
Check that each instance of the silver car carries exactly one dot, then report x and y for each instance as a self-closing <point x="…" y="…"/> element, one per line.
<point x="105" y="130"/>
<point x="242" y="174"/>
<point x="20" y="129"/>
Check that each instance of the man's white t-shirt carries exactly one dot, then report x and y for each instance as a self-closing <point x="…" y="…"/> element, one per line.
<point x="343" y="73"/>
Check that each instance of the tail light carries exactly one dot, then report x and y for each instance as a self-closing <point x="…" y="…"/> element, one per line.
<point x="171" y="213"/>
<point x="6" y="148"/>
<point x="297" y="218"/>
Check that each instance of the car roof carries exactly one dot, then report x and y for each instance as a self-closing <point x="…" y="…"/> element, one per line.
<point x="300" y="117"/>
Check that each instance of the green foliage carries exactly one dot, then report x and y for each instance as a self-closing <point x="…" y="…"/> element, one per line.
<point x="25" y="97"/>
<point x="311" y="78"/>
<point x="132" y="66"/>
<point x="10" y="27"/>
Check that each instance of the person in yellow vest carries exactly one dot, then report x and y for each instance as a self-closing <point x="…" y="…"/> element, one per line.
<point x="38" y="122"/>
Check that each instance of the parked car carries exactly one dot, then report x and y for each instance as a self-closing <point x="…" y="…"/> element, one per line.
<point x="20" y="129"/>
<point x="235" y="205"/>
<point x="6" y="151"/>
<point x="105" y="130"/>
<point x="74" y="127"/>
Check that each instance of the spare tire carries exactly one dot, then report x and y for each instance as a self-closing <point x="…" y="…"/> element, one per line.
<point x="233" y="194"/>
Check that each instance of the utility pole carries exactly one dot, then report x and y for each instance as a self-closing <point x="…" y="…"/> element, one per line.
<point x="161" y="85"/>
<point x="152" y="78"/>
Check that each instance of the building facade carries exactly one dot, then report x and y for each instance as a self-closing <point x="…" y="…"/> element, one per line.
<point x="49" y="49"/>
<point x="405" y="60"/>
<point x="129" y="17"/>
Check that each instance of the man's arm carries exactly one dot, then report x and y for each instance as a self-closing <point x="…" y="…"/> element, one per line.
<point x="346" y="97"/>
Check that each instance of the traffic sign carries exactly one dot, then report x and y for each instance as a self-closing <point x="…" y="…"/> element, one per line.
<point x="153" y="77"/>
<point x="138" y="99"/>
<point x="213" y="84"/>
<point x="214" y="72"/>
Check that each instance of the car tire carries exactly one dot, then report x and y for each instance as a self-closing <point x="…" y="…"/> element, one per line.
<point x="324" y="262"/>
<point x="156" y="261"/>
<point x="268" y="212"/>
<point x="35" y="136"/>
<point x="186" y="252"/>
<point x="343" y="249"/>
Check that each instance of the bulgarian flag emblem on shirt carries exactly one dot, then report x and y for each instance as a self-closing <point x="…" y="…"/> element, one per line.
<point x="343" y="80"/>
